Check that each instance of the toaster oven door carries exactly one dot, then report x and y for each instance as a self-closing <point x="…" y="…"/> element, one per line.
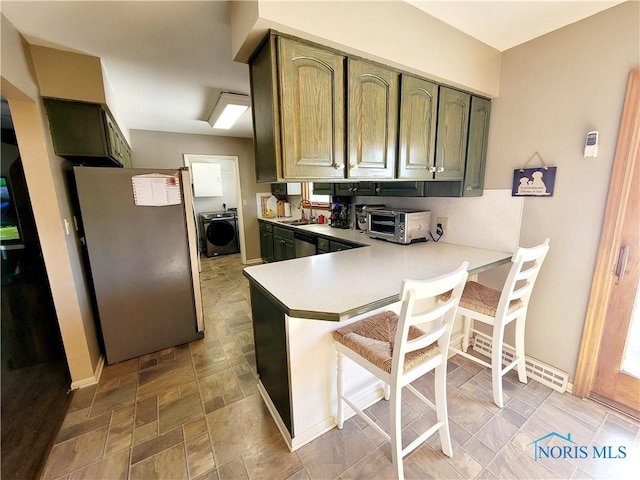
<point x="382" y="225"/>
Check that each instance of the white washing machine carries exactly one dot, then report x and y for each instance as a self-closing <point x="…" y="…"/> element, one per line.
<point x="219" y="233"/>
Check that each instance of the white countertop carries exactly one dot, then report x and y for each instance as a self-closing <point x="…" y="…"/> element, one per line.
<point x="340" y="285"/>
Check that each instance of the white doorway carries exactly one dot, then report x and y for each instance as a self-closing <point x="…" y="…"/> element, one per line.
<point x="231" y="192"/>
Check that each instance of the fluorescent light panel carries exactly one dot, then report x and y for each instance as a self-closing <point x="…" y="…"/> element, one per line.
<point x="228" y="110"/>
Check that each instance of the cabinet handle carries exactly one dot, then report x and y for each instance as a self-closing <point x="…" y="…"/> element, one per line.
<point x="353" y="166"/>
<point x="338" y="166"/>
<point x="469" y="189"/>
<point x="377" y="189"/>
<point x="354" y="189"/>
<point x="440" y="169"/>
<point x="432" y="169"/>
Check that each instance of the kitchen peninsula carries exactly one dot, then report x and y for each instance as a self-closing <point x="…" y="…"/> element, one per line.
<point x="296" y="304"/>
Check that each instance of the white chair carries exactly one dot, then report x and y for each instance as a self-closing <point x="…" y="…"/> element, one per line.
<point x="498" y="309"/>
<point x="396" y="351"/>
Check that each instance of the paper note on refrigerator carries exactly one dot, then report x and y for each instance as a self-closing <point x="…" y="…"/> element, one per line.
<point x="156" y="190"/>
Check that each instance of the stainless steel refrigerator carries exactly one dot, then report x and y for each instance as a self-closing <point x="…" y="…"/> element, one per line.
<point x="142" y="260"/>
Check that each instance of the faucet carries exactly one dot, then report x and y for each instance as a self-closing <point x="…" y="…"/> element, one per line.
<point x="306" y="203"/>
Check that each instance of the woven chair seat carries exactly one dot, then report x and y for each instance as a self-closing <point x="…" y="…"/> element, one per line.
<point x="373" y="338"/>
<point x="482" y="299"/>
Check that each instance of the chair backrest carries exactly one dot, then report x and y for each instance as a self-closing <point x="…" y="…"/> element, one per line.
<point x="526" y="263"/>
<point x="420" y="305"/>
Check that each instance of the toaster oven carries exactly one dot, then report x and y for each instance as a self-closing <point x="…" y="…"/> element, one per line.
<point x="399" y="225"/>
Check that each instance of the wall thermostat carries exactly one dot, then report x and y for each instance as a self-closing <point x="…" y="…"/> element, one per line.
<point x="591" y="144"/>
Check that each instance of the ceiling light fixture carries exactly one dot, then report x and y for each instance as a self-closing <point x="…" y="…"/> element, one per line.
<point x="228" y="110"/>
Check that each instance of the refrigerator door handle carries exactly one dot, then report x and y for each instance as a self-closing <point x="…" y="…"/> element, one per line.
<point x="190" y="217"/>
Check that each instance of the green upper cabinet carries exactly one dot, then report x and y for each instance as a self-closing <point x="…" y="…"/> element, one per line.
<point x="323" y="188"/>
<point x="451" y="137"/>
<point x="372" y="119"/>
<point x="417" y="138"/>
<point x="312" y="110"/>
<point x="353" y="189"/>
<point x="477" y="147"/>
<point x="319" y="114"/>
<point x="266" y="112"/>
<point x="400" y="189"/>
<point x="85" y="133"/>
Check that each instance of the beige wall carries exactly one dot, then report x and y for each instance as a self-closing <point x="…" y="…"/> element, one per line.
<point x="45" y="175"/>
<point x="553" y="90"/>
<point x="75" y="76"/>
<point x="165" y="150"/>
<point x="393" y="33"/>
<point x="68" y="75"/>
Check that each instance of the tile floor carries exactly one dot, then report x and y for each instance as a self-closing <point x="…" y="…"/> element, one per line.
<point x="193" y="412"/>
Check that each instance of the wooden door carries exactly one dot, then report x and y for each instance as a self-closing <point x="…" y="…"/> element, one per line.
<point x="312" y="111"/>
<point x="612" y="382"/>
<point x="373" y="120"/>
<point x="476" y="147"/>
<point x="601" y="373"/>
<point x="417" y="137"/>
<point x="451" y="137"/>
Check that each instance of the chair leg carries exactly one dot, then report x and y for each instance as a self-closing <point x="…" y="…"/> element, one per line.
<point x="340" y="413"/>
<point x="396" y="430"/>
<point x="522" y="369"/>
<point x="496" y="365"/>
<point x="466" y="328"/>
<point x="387" y="391"/>
<point x="441" y="407"/>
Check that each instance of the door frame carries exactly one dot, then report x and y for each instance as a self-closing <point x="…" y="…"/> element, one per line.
<point x="189" y="158"/>
<point x="627" y="151"/>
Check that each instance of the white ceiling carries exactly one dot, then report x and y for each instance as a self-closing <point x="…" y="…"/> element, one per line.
<point x="168" y="61"/>
<point x="507" y="23"/>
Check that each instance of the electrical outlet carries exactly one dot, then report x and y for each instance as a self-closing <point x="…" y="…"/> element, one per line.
<point x="444" y="221"/>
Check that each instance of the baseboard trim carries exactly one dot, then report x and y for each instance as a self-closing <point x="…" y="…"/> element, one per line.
<point x="364" y="401"/>
<point x="275" y="415"/>
<point x="93" y="380"/>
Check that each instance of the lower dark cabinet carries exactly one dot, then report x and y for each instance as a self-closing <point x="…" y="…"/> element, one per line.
<point x="284" y="247"/>
<point x="339" y="246"/>
<point x="272" y="362"/>
<point x="266" y="242"/>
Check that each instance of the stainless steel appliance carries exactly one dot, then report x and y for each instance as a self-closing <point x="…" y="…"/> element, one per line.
<point x="306" y="245"/>
<point x="362" y="217"/>
<point x="142" y="260"/>
<point x="220" y="233"/>
<point x="399" y="225"/>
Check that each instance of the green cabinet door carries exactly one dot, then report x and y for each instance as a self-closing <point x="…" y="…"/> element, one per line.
<point x="311" y="110"/>
<point x="477" y="147"/>
<point x="354" y="188"/>
<point x="400" y="189"/>
<point x="85" y="133"/>
<point x="451" y="137"/>
<point x="266" y="242"/>
<point x="372" y="118"/>
<point x="279" y="188"/>
<point x="284" y="247"/>
<point x="265" y="112"/>
<point x="323" y="188"/>
<point x="417" y="135"/>
<point x="323" y="246"/>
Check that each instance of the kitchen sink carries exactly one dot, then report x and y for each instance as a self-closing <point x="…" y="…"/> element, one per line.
<point x="296" y="222"/>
